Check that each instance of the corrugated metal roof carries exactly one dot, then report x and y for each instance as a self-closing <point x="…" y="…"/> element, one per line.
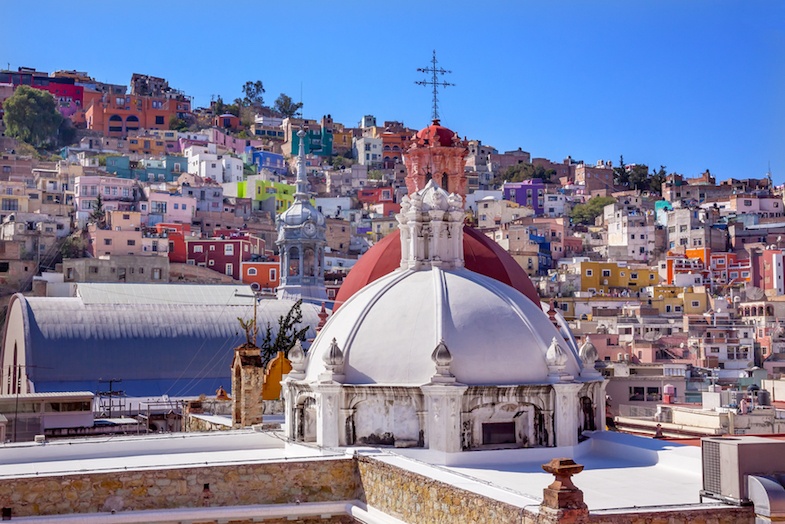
<point x="218" y="295"/>
<point x="62" y="394"/>
<point x="179" y="346"/>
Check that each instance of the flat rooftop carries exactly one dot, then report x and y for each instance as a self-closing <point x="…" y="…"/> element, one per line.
<point x="621" y="471"/>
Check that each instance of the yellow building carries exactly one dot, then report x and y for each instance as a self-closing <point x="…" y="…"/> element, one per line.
<point x="611" y="277"/>
<point x="147" y="145"/>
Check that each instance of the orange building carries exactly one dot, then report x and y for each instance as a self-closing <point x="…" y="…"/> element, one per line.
<point x="266" y="274"/>
<point x="117" y="115"/>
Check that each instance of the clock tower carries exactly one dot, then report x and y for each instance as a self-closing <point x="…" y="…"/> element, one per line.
<point x="301" y="242"/>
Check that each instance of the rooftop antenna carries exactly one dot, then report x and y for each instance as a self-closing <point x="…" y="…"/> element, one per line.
<point x="434" y="81"/>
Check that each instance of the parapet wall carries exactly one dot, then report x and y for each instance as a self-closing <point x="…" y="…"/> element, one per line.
<point x="400" y="493"/>
<point x="245" y="484"/>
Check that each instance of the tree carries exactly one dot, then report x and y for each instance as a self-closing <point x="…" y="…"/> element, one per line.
<point x="285" y="106"/>
<point x="253" y="92"/>
<point x="73" y="246"/>
<point x="526" y="171"/>
<point x="287" y="334"/>
<point x="98" y="216"/>
<point x="638" y="177"/>
<point x="177" y="124"/>
<point x="586" y="213"/>
<point x="375" y="174"/>
<point x="657" y="179"/>
<point x="620" y="177"/>
<point x="31" y="116"/>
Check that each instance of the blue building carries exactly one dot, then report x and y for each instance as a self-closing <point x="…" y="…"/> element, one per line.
<point x="266" y="160"/>
<point x="166" y="169"/>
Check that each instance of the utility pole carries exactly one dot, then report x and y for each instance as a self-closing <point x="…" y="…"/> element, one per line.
<point x="111" y="393"/>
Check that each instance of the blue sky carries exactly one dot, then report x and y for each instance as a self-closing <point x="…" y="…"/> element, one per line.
<point x="689" y="85"/>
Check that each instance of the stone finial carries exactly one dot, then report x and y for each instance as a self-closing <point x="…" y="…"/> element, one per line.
<point x="442" y="357"/>
<point x="333" y="364"/>
<point x="562" y="498"/>
<point x="334" y="357"/>
<point x="552" y="314"/>
<point x="297" y="357"/>
<point x="322" y="318"/>
<point x="555" y="356"/>
<point x="589" y="353"/>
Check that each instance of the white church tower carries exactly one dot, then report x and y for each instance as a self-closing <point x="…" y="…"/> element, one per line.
<point x="301" y="242"/>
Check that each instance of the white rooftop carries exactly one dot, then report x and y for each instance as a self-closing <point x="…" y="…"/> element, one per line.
<point x="621" y="471"/>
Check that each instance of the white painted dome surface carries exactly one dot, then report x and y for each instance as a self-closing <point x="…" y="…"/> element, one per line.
<point x="389" y="329"/>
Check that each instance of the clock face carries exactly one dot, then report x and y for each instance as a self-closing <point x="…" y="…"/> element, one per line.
<point x="309" y="228"/>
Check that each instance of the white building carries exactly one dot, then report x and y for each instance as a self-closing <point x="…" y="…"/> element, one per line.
<point x="630" y="233"/>
<point x="368" y="151"/>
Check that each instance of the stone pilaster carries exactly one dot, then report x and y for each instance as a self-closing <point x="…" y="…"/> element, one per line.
<point x="566" y="413"/>
<point x="328" y="417"/>
<point x="443" y="417"/>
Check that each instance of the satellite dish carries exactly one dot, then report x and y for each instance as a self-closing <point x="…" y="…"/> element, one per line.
<point x="652" y="336"/>
<point x="754" y="293"/>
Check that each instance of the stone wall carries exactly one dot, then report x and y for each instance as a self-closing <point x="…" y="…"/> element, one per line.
<point x="726" y="515"/>
<point x="402" y="494"/>
<point x="306" y="481"/>
<point x="413" y="498"/>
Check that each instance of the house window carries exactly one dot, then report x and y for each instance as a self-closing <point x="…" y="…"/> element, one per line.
<point x="132" y="242"/>
<point x="211" y="262"/>
<point x="159" y="120"/>
<point x="589" y="272"/>
<point x="229" y="249"/>
<point x="695" y="303"/>
<point x="229" y="269"/>
<point x="634" y="276"/>
<point x="198" y="249"/>
<point x="273" y="274"/>
<point x="606" y="272"/>
<point x="107" y="241"/>
<point x="156" y="273"/>
<point x="251" y="271"/>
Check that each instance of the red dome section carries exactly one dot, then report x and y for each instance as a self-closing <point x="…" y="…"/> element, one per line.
<point x="481" y="254"/>
<point x="433" y="133"/>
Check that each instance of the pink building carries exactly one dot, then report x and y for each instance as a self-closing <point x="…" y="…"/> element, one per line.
<point x="163" y="206"/>
<point x="235" y="145"/>
<point x="117" y="194"/>
<point x="768" y="206"/>
<point x="122" y="235"/>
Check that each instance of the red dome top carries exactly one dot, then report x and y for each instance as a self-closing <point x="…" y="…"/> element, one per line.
<point x="435" y="132"/>
<point x="481" y="254"/>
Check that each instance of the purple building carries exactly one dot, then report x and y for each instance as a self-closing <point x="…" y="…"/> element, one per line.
<point x="527" y="193"/>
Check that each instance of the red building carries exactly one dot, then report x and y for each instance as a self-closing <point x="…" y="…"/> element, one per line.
<point x="375" y="195"/>
<point x="224" y="253"/>
<point x="69" y="96"/>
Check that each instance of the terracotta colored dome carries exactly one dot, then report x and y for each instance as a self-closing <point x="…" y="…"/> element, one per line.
<point x="435" y="131"/>
<point x="481" y="254"/>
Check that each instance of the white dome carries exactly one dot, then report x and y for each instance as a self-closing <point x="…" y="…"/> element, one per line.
<point x="388" y="331"/>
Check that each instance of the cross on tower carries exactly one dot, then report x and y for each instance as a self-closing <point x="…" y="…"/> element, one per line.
<point x="435" y="82"/>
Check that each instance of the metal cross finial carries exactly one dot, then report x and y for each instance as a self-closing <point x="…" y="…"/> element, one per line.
<point x="434" y="70"/>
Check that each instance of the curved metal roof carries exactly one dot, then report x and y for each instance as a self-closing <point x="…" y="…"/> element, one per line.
<point x="188" y="346"/>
